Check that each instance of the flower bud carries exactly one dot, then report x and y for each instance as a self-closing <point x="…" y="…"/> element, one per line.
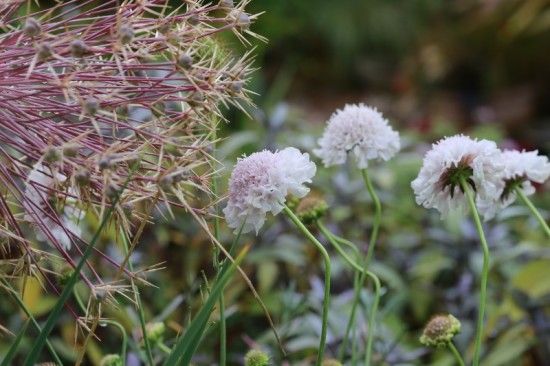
<point x="440" y="330"/>
<point x="155" y="331"/>
<point x="311" y="208"/>
<point x="255" y="357"/>
<point x="111" y="360"/>
<point x="78" y="48"/>
<point x="125" y="34"/>
<point x="331" y="362"/>
<point x="32" y="27"/>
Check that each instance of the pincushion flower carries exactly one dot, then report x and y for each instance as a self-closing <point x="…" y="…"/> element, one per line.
<point x="260" y="183"/>
<point x="521" y="170"/>
<point x="357" y="129"/>
<point x="451" y="159"/>
<point x="41" y="187"/>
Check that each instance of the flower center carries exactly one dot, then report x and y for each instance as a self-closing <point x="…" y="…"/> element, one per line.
<point x="455" y="174"/>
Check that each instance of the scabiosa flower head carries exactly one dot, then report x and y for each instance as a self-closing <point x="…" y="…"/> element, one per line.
<point x="521" y="169"/>
<point x="256" y="357"/>
<point x="454" y="158"/>
<point x="260" y="183"/>
<point x="440" y="330"/>
<point x="360" y="130"/>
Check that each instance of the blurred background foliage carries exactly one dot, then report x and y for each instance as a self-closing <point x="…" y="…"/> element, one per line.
<point x="435" y="68"/>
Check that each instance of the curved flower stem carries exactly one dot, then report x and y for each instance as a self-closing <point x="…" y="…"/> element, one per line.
<point x="139" y="305"/>
<point x="368" y="258"/>
<point x="455" y="352"/>
<point x="484" y="272"/>
<point x="372" y="313"/>
<point x="326" y="298"/>
<point x="534" y="210"/>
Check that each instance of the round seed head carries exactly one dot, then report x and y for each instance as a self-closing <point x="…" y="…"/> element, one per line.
<point x="91" y="106"/>
<point x="112" y="190"/>
<point x="237" y="86"/>
<point x="52" y="155"/>
<point x="243" y="20"/>
<point x="82" y="177"/>
<point x="70" y="150"/>
<point x="331" y="362"/>
<point x="311" y="208"/>
<point x="193" y="19"/>
<point x="155" y="331"/>
<point x="32" y="27"/>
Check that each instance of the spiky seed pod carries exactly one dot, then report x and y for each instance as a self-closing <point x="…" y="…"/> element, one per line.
<point x="32" y="27"/>
<point x="90" y="106"/>
<point x="44" y="51"/>
<point x="440" y="330"/>
<point x="226" y="4"/>
<point x="256" y="357"/>
<point x="243" y="20"/>
<point x="125" y="34"/>
<point x="185" y="61"/>
<point x="78" y="48"/>
<point x="82" y="177"/>
<point x="52" y="155"/>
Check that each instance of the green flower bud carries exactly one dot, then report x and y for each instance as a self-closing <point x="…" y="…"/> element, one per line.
<point x="311" y="208"/>
<point x="440" y="330"/>
<point x="111" y="360"/>
<point x="255" y="357"/>
<point x="331" y="362"/>
<point x="155" y="331"/>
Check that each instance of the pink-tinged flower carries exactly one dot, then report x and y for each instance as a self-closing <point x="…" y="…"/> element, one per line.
<point x="260" y="183"/>
<point x="451" y="159"/>
<point x="521" y="170"/>
<point x="359" y="130"/>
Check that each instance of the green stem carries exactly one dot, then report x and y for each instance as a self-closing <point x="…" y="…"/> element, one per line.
<point x="365" y="272"/>
<point x="484" y="271"/>
<point x="534" y="210"/>
<point x="217" y="264"/>
<point x="455" y="352"/>
<point x="368" y="259"/>
<point x="124" y="345"/>
<point x="141" y="313"/>
<point x="164" y="348"/>
<point x="326" y="298"/>
<point x="31" y="317"/>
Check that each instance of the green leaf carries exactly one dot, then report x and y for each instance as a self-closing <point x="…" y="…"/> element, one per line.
<point x="187" y="345"/>
<point x="533" y="279"/>
<point x="12" y="351"/>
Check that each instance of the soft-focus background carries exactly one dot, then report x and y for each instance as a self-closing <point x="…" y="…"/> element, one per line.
<point x="435" y="68"/>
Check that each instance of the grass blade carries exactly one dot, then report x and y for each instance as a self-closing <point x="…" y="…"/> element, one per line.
<point x="32" y="357"/>
<point x="187" y="345"/>
<point x="12" y="351"/>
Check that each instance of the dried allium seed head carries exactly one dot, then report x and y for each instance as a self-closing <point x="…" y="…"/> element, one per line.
<point x="226" y="4"/>
<point x="70" y="150"/>
<point x="256" y="357"/>
<point x="105" y="162"/>
<point x="243" y="20"/>
<point x="112" y="190"/>
<point x="52" y="155"/>
<point x="236" y="87"/>
<point x="32" y="27"/>
<point x="440" y="330"/>
<point x="193" y="19"/>
<point x="197" y="99"/>
<point x="78" y="48"/>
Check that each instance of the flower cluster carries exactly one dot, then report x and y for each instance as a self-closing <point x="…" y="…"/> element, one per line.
<point x="440" y="330"/>
<point x="360" y="130"/>
<point x="260" y="183"/>
<point x="453" y="161"/>
<point x="492" y="174"/>
<point x="521" y="170"/>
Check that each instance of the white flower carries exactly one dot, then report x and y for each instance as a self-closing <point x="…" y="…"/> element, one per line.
<point x="449" y="160"/>
<point x="520" y="170"/>
<point x="361" y="130"/>
<point x="260" y="183"/>
<point x="41" y="184"/>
